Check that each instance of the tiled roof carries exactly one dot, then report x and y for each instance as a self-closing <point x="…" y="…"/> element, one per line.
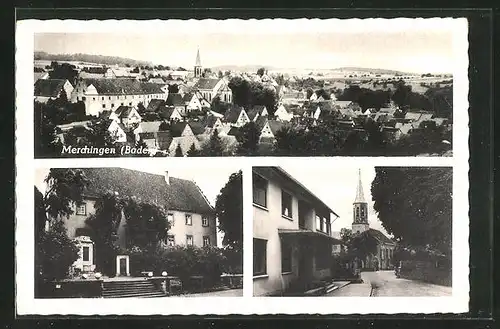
<point x="155" y="104"/>
<point x="233" y="114"/>
<point x="49" y="87"/>
<point x="180" y="194"/>
<point x="379" y="236"/>
<point x="187" y="97"/>
<point x="123" y="86"/>
<point x="174" y="100"/>
<point x="152" y="126"/>
<point x="165" y="112"/>
<point x="177" y="128"/>
<point x="197" y="127"/>
<point x="257" y="109"/>
<point x="123" y="111"/>
<point x="206" y="84"/>
<point x="275" y="125"/>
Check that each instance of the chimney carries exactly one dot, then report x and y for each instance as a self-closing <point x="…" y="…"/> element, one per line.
<point x="167" y="177"/>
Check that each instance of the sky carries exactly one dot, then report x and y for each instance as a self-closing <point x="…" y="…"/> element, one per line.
<point x="336" y="187"/>
<point x="209" y="184"/>
<point x="415" y="51"/>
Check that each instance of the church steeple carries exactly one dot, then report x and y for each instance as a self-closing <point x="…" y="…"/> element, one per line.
<point x="360" y="209"/>
<point x="360" y="197"/>
<point x="197" y="66"/>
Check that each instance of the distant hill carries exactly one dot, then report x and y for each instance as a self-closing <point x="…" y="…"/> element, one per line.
<point x="375" y="71"/>
<point x="240" y="68"/>
<point x="88" y="58"/>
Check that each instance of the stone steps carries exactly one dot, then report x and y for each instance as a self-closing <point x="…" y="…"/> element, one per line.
<point x="122" y="289"/>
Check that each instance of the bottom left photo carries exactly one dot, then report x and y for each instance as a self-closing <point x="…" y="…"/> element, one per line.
<point x="138" y="232"/>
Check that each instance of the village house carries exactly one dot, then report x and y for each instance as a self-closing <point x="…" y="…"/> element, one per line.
<point x="176" y="102"/>
<point x="292" y="235"/>
<point x="46" y="89"/>
<point x="360" y="224"/>
<point x="108" y="94"/>
<point x="268" y="129"/>
<point x="191" y="102"/>
<point x="282" y="114"/>
<point x="190" y="214"/>
<point x="147" y="127"/>
<point x="170" y="114"/>
<point x="126" y="115"/>
<point x="236" y="116"/>
<point x="119" y="132"/>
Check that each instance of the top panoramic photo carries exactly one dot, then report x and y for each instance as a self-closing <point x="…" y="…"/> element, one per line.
<point x="211" y="91"/>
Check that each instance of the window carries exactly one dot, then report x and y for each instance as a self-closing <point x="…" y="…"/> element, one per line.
<point x="189" y="240"/>
<point x="103" y="106"/>
<point x="86" y="254"/>
<point x="81" y="209"/>
<point x="328" y="227"/>
<point x="189" y="219"/>
<point x="109" y="97"/>
<point x="84" y="98"/>
<point x="323" y="224"/>
<point x="130" y="104"/>
<point x="318" y="223"/>
<point x="204" y="221"/>
<point x="357" y="212"/>
<point x="286" y="257"/>
<point x="170" y="219"/>
<point x="103" y="98"/>
<point x="122" y="103"/>
<point x="206" y="241"/>
<point x="259" y="256"/>
<point x="286" y="204"/>
<point x="112" y="105"/>
<point x="259" y="191"/>
<point x="170" y="240"/>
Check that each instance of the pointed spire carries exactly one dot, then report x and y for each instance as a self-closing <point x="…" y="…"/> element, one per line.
<point x="198" y="61"/>
<point x="360" y="197"/>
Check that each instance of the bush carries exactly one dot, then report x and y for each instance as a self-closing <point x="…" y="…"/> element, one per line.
<point x="181" y="261"/>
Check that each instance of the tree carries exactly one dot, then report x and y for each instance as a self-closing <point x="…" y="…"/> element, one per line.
<point x="261" y="71"/>
<point x="248" y="140"/>
<point x="47" y="143"/>
<point x="146" y="224"/>
<point x="220" y="74"/>
<point x="64" y="189"/>
<point x="54" y="250"/>
<point x="229" y="211"/>
<point x="103" y="224"/>
<point x="193" y="151"/>
<point x="135" y="70"/>
<point x="178" y="151"/>
<point x="213" y="147"/>
<point x="64" y="71"/>
<point x="414" y="205"/>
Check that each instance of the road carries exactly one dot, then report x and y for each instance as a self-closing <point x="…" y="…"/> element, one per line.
<point x="385" y="283"/>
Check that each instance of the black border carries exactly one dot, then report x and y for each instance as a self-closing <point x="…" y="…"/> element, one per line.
<point x="481" y="166"/>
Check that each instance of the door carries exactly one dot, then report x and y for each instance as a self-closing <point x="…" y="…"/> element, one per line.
<point x="123" y="266"/>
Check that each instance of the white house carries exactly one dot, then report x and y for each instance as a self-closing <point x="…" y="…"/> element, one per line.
<point x="282" y="114"/>
<point x="236" y="116"/>
<point x="126" y="115"/>
<point x="108" y="94"/>
<point x="118" y="131"/>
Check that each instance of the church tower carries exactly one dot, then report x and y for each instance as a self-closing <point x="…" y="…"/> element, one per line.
<point x="197" y="66"/>
<point x="360" y="209"/>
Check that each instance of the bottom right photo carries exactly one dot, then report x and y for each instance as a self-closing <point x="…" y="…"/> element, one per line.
<point x="352" y="231"/>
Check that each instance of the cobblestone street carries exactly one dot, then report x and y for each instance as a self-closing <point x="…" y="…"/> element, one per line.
<point x="385" y="283"/>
